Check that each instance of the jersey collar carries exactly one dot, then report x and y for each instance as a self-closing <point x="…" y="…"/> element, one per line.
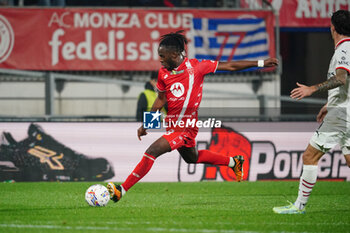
<point x="342" y="41"/>
<point x="181" y="65"/>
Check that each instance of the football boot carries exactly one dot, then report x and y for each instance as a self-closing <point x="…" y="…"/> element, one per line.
<point x="115" y="191"/>
<point x="238" y="168"/>
<point x="289" y="209"/>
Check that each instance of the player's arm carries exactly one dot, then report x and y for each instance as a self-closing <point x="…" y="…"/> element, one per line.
<point x="339" y="79"/>
<point x="157" y="106"/>
<point x="141" y="107"/>
<point x="159" y="102"/>
<point x="240" y="65"/>
<point x="321" y="115"/>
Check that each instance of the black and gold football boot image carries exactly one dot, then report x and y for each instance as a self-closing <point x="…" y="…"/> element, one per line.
<point x="40" y="157"/>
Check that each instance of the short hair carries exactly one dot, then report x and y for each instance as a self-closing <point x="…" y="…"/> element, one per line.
<point x="176" y="41"/>
<point x="341" y="22"/>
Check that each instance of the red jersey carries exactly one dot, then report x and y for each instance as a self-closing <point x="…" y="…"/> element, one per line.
<point x="184" y="87"/>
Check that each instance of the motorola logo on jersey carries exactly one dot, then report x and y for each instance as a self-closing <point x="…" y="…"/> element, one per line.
<point x="7" y="38"/>
<point x="177" y="89"/>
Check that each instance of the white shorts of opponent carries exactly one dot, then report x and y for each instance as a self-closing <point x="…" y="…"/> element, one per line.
<point x="331" y="133"/>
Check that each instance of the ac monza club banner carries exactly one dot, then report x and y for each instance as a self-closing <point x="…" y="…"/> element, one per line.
<point x="302" y="13"/>
<point x="126" y="39"/>
<point x="110" y="151"/>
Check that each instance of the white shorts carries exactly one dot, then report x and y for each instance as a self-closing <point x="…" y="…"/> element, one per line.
<point x="330" y="134"/>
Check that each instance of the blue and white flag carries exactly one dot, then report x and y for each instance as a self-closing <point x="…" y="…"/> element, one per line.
<point x="230" y="39"/>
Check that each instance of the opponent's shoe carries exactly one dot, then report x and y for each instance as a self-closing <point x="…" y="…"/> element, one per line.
<point x="238" y="168"/>
<point x="289" y="209"/>
<point x="114" y="191"/>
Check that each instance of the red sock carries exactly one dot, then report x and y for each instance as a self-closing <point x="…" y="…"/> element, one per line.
<point x="207" y="156"/>
<point x="140" y="171"/>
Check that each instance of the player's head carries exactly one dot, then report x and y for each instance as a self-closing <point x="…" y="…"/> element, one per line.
<point x="341" y="22"/>
<point x="171" y="49"/>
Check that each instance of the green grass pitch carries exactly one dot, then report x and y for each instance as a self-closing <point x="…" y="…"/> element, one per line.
<point x="204" y="207"/>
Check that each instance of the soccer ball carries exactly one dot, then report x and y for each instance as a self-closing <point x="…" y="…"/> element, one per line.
<point x="97" y="195"/>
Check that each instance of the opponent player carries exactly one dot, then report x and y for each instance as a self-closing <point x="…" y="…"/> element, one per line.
<point x="180" y="83"/>
<point x="335" y="114"/>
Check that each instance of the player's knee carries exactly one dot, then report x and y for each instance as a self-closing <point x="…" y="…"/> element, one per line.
<point x="190" y="155"/>
<point x="347" y="159"/>
<point x="311" y="156"/>
<point x="309" y="159"/>
<point x="158" y="148"/>
<point x="190" y="160"/>
<point x="156" y="151"/>
<point x="153" y="151"/>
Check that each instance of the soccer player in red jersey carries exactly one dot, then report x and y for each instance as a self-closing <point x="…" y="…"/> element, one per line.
<point x="180" y="84"/>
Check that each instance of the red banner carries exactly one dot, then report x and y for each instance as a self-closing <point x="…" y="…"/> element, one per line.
<point x="101" y="39"/>
<point x="302" y="13"/>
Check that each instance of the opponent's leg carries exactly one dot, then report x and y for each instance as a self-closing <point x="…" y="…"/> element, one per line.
<point x="190" y="155"/>
<point x="158" y="148"/>
<point x="347" y="158"/>
<point x="309" y="176"/>
<point x="307" y="181"/>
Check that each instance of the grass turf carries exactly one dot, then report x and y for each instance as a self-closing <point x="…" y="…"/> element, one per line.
<point x="206" y="207"/>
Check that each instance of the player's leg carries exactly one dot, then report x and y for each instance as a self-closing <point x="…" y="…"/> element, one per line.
<point x="309" y="175"/>
<point x="211" y="157"/>
<point x="308" y="178"/>
<point x="345" y="147"/>
<point x="191" y="155"/>
<point x="347" y="158"/>
<point x="326" y="137"/>
<point x="159" y="147"/>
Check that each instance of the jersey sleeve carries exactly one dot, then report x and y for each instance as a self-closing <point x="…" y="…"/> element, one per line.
<point x="343" y="57"/>
<point x="207" y="66"/>
<point x="160" y="82"/>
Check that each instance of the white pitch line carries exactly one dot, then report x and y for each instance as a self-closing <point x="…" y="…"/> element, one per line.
<point x="94" y="228"/>
<point x="237" y="223"/>
<point x="145" y="229"/>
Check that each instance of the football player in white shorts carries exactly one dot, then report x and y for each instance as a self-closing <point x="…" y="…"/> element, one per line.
<point x="335" y="115"/>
